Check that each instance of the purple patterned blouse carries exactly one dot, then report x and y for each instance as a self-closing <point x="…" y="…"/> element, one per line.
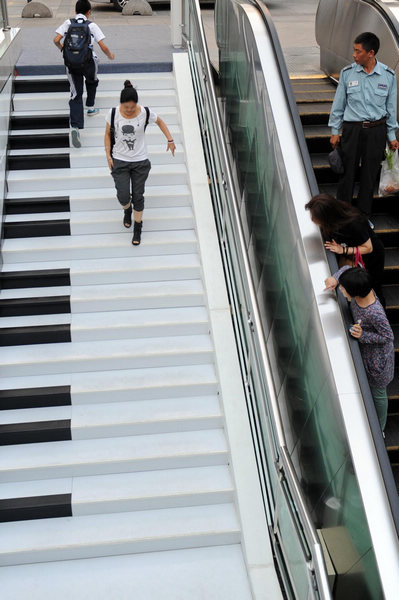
<point x="376" y="342"/>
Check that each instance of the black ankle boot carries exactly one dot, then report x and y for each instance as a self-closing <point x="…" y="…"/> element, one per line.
<point x="137" y="233"/>
<point x="127" y="217"/>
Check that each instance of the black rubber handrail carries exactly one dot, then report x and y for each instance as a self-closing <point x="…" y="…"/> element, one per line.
<point x="385" y="465"/>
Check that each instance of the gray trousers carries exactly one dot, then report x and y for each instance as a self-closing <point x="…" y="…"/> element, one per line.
<point x="130" y="178"/>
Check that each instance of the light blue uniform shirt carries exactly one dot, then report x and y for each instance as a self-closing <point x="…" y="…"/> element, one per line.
<point x="362" y="96"/>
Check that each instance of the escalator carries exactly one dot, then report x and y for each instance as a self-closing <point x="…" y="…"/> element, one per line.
<point x="314" y="97"/>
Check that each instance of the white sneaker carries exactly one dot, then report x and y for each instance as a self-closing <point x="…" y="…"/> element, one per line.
<point x="75" y="135"/>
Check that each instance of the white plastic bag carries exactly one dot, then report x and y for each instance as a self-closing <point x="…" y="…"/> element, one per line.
<point x="389" y="178"/>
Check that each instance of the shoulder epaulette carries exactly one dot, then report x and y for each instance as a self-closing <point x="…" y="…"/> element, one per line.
<point x="390" y="70"/>
<point x="346" y="68"/>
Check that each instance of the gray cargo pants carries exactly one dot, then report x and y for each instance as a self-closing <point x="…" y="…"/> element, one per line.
<point x="130" y="177"/>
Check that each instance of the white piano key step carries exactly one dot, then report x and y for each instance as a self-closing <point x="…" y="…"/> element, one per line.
<point x="124" y="492"/>
<point x="120" y="296"/>
<point x="35" y="180"/>
<point x="137" y="417"/>
<point x="115" y="354"/>
<point x="112" y="534"/>
<point x="121" y="270"/>
<point x="114" y="455"/>
<point x="196" y="573"/>
<point x="151" y="490"/>
<point x="95" y="157"/>
<point x="105" y="199"/>
<point x="110" y="221"/>
<point x="115" y="81"/>
<point x="96" y="246"/>
<point x="94" y="136"/>
<point x="125" y="385"/>
<point x="121" y="324"/>
<point x="104" y="99"/>
<point x="168" y="113"/>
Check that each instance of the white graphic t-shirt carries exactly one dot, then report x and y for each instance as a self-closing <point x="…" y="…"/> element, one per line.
<point x="130" y="143"/>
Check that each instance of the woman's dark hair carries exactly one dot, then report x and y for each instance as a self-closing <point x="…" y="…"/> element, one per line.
<point x="356" y="281"/>
<point x="369" y="41"/>
<point x="82" y="7"/>
<point x="129" y="93"/>
<point x="331" y="213"/>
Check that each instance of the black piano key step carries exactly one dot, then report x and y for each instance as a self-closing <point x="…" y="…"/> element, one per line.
<point x="47" y="228"/>
<point x="35" y="507"/>
<point x="32" y="86"/>
<point x="36" y="432"/>
<point x="39" y="140"/>
<point x="60" y="121"/>
<point x="40" y="397"/>
<point x="36" y="334"/>
<point x="38" y="161"/>
<point x="46" y="305"/>
<point x="13" y="280"/>
<point x="44" y="204"/>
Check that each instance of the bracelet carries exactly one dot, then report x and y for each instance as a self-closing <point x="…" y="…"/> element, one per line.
<point x="170" y="141"/>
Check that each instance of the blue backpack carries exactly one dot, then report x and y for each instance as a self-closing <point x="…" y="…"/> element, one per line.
<point x="77" y="49"/>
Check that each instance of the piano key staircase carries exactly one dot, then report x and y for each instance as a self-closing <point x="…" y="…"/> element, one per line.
<point x="115" y="479"/>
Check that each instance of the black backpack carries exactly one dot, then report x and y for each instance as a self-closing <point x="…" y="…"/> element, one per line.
<point x="77" y="45"/>
<point x="112" y="125"/>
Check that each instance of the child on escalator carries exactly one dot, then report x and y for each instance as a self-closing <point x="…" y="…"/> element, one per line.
<point x="373" y="331"/>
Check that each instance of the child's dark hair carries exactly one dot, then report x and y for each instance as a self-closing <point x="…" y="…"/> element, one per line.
<point x="129" y="93"/>
<point x="82" y="7"/>
<point x="356" y="281"/>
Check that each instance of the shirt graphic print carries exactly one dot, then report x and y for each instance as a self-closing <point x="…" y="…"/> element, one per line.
<point x="130" y="144"/>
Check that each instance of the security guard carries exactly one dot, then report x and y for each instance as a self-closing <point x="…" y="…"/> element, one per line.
<point x="365" y="107"/>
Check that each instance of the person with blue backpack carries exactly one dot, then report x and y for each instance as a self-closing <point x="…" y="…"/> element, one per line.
<point x="81" y="62"/>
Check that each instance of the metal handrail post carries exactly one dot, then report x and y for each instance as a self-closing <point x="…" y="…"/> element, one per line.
<point x="4" y="11"/>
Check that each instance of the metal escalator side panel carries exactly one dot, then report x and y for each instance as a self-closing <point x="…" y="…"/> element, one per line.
<point x="289" y="187"/>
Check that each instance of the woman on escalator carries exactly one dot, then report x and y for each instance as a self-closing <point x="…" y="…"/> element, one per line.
<point x="348" y="233"/>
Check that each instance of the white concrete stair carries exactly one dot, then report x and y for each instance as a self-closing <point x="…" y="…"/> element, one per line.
<point x="116" y="354"/>
<point x="125" y="385"/>
<point x="104" y="99"/>
<point x="112" y="534"/>
<point x="121" y="324"/>
<point x="114" y="455"/>
<point x="98" y="246"/>
<point x="190" y="573"/>
<point x="94" y="135"/>
<point x="126" y="269"/>
<point x="124" y="492"/>
<point x="147" y="468"/>
<point x="95" y="157"/>
<point x="137" y="417"/>
<point x="60" y="179"/>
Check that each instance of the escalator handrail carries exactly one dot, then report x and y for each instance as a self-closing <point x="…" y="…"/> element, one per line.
<point x="386" y="469"/>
